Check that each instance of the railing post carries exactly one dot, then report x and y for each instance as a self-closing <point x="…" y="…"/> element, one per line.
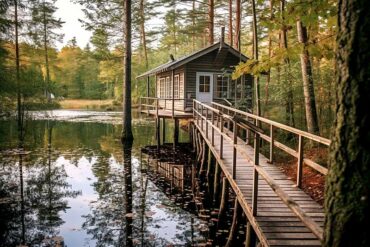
<point x="221" y="136"/>
<point x="194" y="110"/>
<point x="300" y="161"/>
<point x="255" y="174"/>
<point x="272" y="144"/>
<point x="213" y="130"/>
<point x="207" y="122"/>
<point x="201" y="115"/>
<point x="197" y="107"/>
<point x="157" y="106"/>
<point x="235" y="141"/>
<point x="140" y="105"/>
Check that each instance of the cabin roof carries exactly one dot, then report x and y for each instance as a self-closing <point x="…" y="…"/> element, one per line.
<point x="188" y="58"/>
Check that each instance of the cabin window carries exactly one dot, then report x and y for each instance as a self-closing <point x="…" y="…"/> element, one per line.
<point x="168" y="88"/>
<point x="177" y="87"/>
<point x="204" y="84"/>
<point x="161" y="87"/>
<point x="222" y="86"/>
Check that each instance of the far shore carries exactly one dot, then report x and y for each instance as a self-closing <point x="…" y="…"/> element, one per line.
<point x="89" y="104"/>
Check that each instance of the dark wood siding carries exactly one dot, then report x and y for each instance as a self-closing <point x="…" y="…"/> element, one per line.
<point x="207" y="63"/>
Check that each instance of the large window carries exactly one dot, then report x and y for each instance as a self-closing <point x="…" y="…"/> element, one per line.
<point x="222" y="86"/>
<point x="204" y="84"/>
<point x="168" y="87"/>
<point x="161" y="88"/>
<point x="177" y="87"/>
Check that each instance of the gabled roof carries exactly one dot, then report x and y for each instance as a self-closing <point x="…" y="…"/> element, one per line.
<point x="183" y="60"/>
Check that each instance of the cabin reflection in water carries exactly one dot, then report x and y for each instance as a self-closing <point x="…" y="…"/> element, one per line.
<point x="177" y="175"/>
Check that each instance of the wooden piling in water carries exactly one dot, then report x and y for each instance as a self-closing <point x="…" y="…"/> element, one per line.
<point x="158" y="134"/>
<point x="251" y="236"/>
<point x="203" y="158"/>
<point x="200" y="148"/>
<point x="223" y="203"/>
<point x="163" y="130"/>
<point x="235" y="224"/>
<point x="216" y="184"/>
<point x="210" y="163"/>
<point x="176" y="133"/>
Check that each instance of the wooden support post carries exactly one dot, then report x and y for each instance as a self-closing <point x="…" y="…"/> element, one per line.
<point x="221" y="137"/>
<point x="216" y="184"/>
<point x="247" y="134"/>
<point x="201" y="115"/>
<point x="157" y="127"/>
<point x="272" y="144"/>
<point x="234" y="225"/>
<point x="213" y="130"/>
<point x="210" y="163"/>
<point x="157" y="107"/>
<point x="163" y="130"/>
<point x="199" y="147"/>
<point x="204" y="157"/>
<point x="251" y="236"/>
<point x="300" y="162"/>
<point x="223" y="204"/>
<point x="255" y="174"/>
<point x="147" y="86"/>
<point x="207" y="123"/>
<point x="173" y="94"/>
<point x="155" y="86"/>
<point x="176" y="133"/>
<point x="235" y="141"/>
<point x="140" y="105"/>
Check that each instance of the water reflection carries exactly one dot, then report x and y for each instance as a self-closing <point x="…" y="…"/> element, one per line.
<point x="80" y="185"/>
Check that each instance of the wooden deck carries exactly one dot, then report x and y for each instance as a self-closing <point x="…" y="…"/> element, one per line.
<point x="280" y="213"/>
<point x="168" y="114"/>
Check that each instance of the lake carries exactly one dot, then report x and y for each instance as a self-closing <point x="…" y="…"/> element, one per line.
<point x="76" y="183"/>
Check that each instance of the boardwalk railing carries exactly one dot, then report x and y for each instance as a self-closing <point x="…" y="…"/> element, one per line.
<point x="216" y="117"/>
<point x="147" y="104"/>
<point x="273" y="126"/>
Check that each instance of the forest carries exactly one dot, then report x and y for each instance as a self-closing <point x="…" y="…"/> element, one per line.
<point x="287" y="34"/>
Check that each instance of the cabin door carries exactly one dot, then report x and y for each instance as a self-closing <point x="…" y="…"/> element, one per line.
<point x="204" y="85"/>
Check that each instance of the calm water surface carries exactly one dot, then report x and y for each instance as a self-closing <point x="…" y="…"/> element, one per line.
<point x="79" y="184"/>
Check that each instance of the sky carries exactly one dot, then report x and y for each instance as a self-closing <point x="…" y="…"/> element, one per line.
<point x="70" y="13"/>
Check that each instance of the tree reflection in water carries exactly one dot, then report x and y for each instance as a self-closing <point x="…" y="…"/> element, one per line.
<point x="39" y="198"/>
<point x="117" y="204"/>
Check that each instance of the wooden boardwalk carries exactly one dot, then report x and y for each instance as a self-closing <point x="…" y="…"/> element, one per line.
<point x="168" y="114"/>
<point x="280" y="213"/>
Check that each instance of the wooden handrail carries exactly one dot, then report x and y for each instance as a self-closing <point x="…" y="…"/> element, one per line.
<point x="311" y="224"/>
<point x="307" y="135"/>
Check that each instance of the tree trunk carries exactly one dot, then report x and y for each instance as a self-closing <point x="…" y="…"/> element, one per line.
<point x="17" y="76"/>
<point x="308" y="87"/>
<point x="268" y="79"/>
<point x="347" y="199"/>
<point x="193" y="25"/>
<point x="143" y="34"/>
<point x="237" y="25"/>
<point x="289" y="102"/>
<point x="127" y="129"/>
<point x="255" y="57"/>
<point x="211" y="17"/>
<point x="47" y="77"/>
<point x="231" y="22"/>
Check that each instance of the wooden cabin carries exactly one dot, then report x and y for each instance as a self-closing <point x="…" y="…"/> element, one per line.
<point x="204" y="75"/>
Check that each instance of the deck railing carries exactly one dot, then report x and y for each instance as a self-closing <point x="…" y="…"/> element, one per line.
<point x="217" y="117"/>
<point x="147" y="104"/>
